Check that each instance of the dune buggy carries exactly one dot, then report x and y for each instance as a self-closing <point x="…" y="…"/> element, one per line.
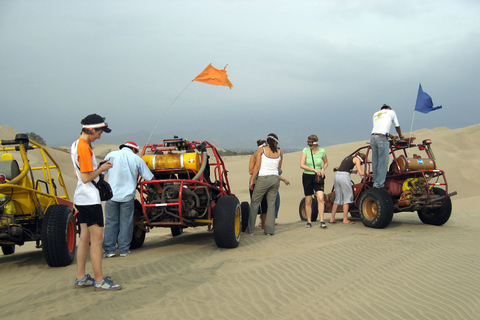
<point x="30" y="208"/>
<point x="413" y="183"/>
<point x="196" y="192"/>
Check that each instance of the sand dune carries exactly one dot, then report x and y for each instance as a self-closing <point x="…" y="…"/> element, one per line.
<point x="407" y="271"/>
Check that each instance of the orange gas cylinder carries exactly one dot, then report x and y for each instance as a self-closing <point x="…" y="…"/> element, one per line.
<point x="190" y="160"/>
<point x="412" y="164"/>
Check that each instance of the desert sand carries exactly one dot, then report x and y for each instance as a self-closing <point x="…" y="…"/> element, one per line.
<point x="408" y="270"/>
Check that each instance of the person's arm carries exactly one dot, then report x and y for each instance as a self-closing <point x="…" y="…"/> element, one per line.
<point x="396" y="124"/>
<point x="324" y="166"/>
<point x="399" y="131"/>
<point x="281" y="161"/>
<point x="358" y="163"/>
<point x="258" y="162"/>
<point x="89" y="176"/>
<point x="147" y="175"/>
<point x="284" y="180"/>
<point x="251" y="164"/>
<point x="158" y="187"/>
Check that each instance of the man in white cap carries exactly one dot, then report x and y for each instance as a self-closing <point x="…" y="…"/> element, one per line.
<point x="119" y="210"/>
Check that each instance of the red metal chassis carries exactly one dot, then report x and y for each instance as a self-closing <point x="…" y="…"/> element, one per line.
<point x="220" y="186"/>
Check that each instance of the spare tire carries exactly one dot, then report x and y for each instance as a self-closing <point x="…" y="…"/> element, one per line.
<point x="303" y="213"/>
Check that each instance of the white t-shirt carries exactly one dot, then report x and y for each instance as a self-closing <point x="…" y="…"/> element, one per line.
<point x="382" y="121"/>
<point x="84" y="161"/>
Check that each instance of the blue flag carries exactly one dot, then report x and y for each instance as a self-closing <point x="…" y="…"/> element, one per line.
<point x="424" y="102"/>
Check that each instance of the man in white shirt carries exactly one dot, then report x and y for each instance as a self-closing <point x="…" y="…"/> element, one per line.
<point x="382" y="122"/>
<point x="119" y="210"/>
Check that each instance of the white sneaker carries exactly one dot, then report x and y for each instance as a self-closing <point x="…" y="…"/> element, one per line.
<point x="124" y="254"/>
<point x="85" y="282"/>
<point x="106" y="284"/>
<point x="108" y="255"/>
<point x="323" y="224"/>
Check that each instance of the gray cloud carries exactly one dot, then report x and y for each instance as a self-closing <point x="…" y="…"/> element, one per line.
<point x="297" y="68"/>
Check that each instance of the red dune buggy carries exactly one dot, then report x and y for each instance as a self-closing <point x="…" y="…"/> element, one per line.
<point x="196" y="192"/>
<point x="413" y="183"/>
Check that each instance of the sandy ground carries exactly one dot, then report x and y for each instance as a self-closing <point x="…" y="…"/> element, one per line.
<point x="408" y="270"/>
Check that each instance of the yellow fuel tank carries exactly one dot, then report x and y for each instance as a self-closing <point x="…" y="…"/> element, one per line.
<point x="8" y="211"/>
<point x="412" y="164"/>
<point x="189" y="160"/>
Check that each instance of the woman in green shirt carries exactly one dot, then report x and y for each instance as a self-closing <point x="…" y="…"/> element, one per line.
<point x="314" y="162"/>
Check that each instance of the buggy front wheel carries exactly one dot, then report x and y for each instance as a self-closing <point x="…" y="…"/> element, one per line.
<point x="437" y="216"/>
<point x="58" y="236"/>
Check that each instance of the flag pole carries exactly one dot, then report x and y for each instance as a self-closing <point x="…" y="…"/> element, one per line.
<point x="411" y="129"/>
<point x="167" y="110"/>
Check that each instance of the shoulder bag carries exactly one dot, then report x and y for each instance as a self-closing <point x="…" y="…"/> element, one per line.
<point x="103" y="188"/>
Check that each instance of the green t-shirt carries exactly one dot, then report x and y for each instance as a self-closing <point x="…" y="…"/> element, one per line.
<point x="318" y="157"/>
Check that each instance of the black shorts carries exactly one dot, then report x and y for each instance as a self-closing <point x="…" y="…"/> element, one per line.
<point x="310" y="186"/>
<point x="90" y="214"/>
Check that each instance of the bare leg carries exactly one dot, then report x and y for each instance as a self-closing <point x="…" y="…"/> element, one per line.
<point x="334" y="210"/>
<point x="96" y="235"/>
<point x="264" y="216"/>
<point x="321" y="204"/>
<point x="308" y="208"/>
<point x="345" y="214"/>
<point x="82" y="251"/>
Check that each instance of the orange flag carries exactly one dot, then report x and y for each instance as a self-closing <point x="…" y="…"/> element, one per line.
<point x="214" y="76"/>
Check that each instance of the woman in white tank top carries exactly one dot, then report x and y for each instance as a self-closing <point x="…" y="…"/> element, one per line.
<point x="269" y="162"/>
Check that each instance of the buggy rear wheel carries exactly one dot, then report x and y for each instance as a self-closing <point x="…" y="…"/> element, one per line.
<point x="8" y="249"/>
<point x="303" y="213"/>
<point x="227" y="222"/>
<point x="376" y="208"/>
<point x="138" y="235"/>
<point x="437" y="216"/>
<point x="176" y="230"/>
<point x="354" y="214"/>
<point x="59" y="236"/>
<point x="245" y="207"/>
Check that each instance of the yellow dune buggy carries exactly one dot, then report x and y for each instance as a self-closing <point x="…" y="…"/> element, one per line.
<point x="30" y="208"/>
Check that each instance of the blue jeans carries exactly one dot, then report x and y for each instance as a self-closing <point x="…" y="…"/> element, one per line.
<point x="277" y="205"/>
<point x="118" y="226"/>
<point x="380" y="149"/>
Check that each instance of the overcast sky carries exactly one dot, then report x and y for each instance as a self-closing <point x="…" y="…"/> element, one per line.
<point x="298" y="67"/>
